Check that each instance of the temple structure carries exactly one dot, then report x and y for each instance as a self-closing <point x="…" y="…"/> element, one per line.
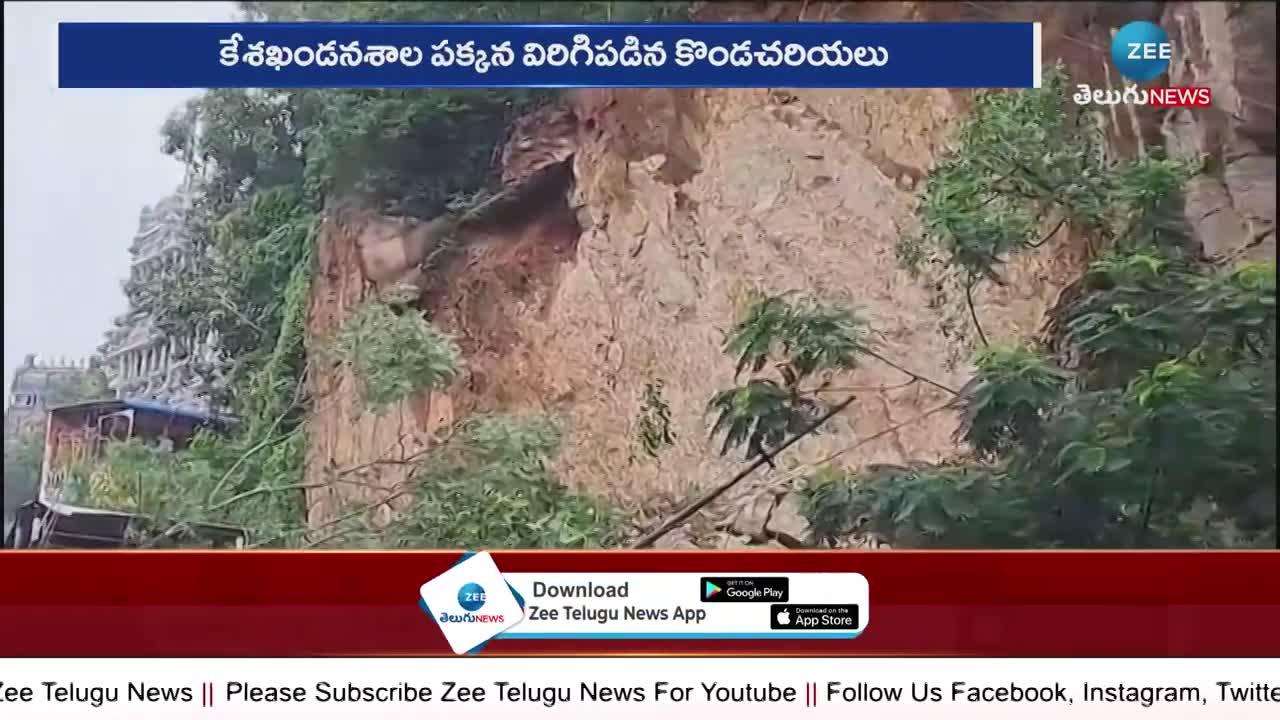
<point x="140" y="361"/>
<point x="39" y="385"/>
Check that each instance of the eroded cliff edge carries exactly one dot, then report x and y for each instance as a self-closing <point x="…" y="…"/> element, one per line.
<point x="635" y="223"/>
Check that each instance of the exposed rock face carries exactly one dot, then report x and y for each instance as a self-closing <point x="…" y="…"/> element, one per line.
<point x="350" y="448"/>
<point x="546" y="137"/>
<point x="691" y="200"/>
<point x="681" y="201"/>
<point x="497" y="283"/>
<point x="1231" y="48"/>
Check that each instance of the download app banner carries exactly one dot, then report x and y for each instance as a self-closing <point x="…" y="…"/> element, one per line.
<point x="473" y="602"/>
<point x="315" y="604"/>
<point x="827" y="55"/>
<point x="723" y="604"/>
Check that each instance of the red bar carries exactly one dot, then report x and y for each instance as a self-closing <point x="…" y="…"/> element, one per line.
<point x="1180" y="97"/>
<point x="272" y="604"/>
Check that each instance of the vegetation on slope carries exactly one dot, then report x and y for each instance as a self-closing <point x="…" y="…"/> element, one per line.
<point x="396" y="355"/>
<point x="1148" y="418"/>
<point x="267" y="161"/>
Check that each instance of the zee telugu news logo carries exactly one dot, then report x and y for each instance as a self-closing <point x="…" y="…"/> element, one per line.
<point x="471" y="597"/>
<point x="1141" y="52"/>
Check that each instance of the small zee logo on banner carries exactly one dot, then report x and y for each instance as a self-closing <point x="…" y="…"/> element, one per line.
<point x="1141" y="51"/>
<point x="471" y="597"/>
<point x="455" y="597"/>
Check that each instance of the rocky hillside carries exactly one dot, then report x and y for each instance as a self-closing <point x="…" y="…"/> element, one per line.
<point x="637" y="221"/>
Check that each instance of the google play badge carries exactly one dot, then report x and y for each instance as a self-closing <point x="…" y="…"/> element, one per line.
<point x="710" y="590"/>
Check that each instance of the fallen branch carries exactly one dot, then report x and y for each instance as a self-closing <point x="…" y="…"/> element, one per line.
<point x="264" y="490"/>
<point x="915" y="375"/>
<point x="174" y="529"/>
<point x="806" y="469"/>
<point x="343" y="518"/>
<point x="1049" y="234"/>
<point x="764" y="459"/>
<point x="268" y="442"/>
<point x="973" y="313"/>
<point x="398" y="490"/>
<point x="330" y="538"/>
<point x="269" y="439"/>
<point x="864" y="388"/>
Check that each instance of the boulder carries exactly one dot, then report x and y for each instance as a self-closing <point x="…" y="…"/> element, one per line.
<point x="788" y="525"/>
<point x="752" y="518"/>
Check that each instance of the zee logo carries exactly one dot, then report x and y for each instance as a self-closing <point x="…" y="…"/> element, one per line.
<point x="471" y="597"/>
<point x="1141" y="51"/>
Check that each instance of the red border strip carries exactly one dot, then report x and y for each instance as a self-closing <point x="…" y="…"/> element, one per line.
<point x="318" y="603"/>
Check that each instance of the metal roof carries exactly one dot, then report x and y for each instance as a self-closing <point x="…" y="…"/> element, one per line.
<point x="153" y="406"/>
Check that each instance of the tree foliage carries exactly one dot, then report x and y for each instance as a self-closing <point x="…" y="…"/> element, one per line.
<point x="761" y="415"/>
<point x="1153" y="421"/>
<point x="488" y="485"/>
<point x="23" y="456"/>
<point x="1005" y="404"/>
<point x="1018" y="160"/>
<point x="1144" y="306"/>
<point x="800" y="337"/>
<point x="265" y="165"/>
<point x="492" y="487"/>
<point x="1024" y="166"/>
<point x="396" y="355"/>
<point x="918" y="505"/>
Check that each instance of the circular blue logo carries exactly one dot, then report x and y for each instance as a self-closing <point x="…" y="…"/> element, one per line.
<point x="1141" y="51"/>
<point x="471" y="597"/>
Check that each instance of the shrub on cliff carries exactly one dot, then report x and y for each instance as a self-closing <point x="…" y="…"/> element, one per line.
<point x="797" y="338"/>
<point x="491" y="486"/>
<point x="395" y="355"/>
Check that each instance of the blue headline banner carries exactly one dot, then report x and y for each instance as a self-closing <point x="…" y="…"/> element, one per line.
<point x="825" y="55"/>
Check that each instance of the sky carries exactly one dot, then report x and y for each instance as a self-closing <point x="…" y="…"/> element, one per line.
<point x="79" y="165"/>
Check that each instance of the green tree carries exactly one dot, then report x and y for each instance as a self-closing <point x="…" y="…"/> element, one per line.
<point x="918" y="505"/>
<point x="1153" y="421"/>
<point x="1025" y="161"/>
<point x="266" y="163"/>
<point x="801" y="338"/>
<point x="23" y="457"/>
<point x="1005" y="404"/>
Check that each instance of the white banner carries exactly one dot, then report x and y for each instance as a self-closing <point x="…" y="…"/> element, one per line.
<point x="690" y="605"/>
<point x="671" y="688"/>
